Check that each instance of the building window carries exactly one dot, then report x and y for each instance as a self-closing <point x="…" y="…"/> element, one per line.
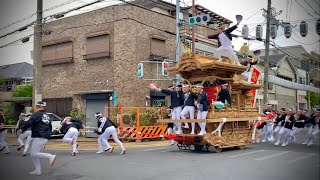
<point x="57" y="53"/>
<point x="158" y="48"/>
<point x="97" y="47"/>
<point x="302" y="80"/>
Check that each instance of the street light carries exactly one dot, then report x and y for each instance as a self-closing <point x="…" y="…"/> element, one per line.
<point x="309" y="105"/>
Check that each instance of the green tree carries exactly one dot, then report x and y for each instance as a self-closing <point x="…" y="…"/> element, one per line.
<point x="23" y="91"/>
<point x="2" y="80"/>
<point x="8" y="113"/>
<point x="314" y="99"/>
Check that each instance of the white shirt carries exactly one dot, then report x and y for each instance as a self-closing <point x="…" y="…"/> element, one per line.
<point x="224" y="40"/>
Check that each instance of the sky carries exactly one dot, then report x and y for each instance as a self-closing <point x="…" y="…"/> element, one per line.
<point x="293" y="11"/>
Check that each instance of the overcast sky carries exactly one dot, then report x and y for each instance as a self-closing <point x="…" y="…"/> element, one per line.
<point x="13" y="10"/>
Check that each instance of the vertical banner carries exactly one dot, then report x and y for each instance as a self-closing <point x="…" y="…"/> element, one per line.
<point x="254" y="79"/>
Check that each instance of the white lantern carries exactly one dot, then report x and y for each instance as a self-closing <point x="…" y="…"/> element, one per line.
<point x="287" y="30"/>
<point x="303" y="29"/>
<point x="259" y="32"/>
<point x="318" y="27"/>
<point x="273" y="31"/>
<point x="245" y="32"/>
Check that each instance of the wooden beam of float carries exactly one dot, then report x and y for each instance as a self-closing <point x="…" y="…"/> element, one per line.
<point x="210" y="120"/>
<point x="189" y="63"/>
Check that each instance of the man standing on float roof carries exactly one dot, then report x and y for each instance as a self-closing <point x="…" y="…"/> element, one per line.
<point x="224" y="38"/>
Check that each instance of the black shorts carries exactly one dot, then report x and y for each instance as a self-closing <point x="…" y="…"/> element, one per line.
<point x="170" y="125"/>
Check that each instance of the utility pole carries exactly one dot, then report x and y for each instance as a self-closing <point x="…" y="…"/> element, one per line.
<point x="193" y="28"/>
<point x="37" y="57"/>
<point x="266" y="64"/>
<point x="177" y="39"/>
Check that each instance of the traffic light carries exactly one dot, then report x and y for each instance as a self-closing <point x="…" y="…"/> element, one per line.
<point x="199" y="19"/>
<point x="140" y="70"/>
<point x="164" y="66"/>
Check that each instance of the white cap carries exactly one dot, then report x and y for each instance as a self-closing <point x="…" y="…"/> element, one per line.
<point x="185" y="85"/>
<point x="225" y="84"/>
<point x="199" y="86"/>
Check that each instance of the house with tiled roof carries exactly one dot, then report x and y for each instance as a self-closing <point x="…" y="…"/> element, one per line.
<point x="14" y="75"/>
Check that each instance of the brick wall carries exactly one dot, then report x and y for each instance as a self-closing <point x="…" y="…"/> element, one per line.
<point x="129" y="44"/>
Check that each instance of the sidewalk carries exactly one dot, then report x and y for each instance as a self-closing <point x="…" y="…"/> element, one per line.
<point x="89" y="143"/>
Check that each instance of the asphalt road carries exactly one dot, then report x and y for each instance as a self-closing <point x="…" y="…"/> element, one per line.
<point x="257" y="162"/>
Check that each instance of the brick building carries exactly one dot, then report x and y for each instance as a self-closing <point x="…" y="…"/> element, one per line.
<point x="89" y="57"/>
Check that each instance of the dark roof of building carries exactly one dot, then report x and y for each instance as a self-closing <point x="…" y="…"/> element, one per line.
<point x="16" y="71"/>
<point x="273" y="59"/>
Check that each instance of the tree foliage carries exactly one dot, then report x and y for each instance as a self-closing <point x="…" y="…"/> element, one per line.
<point x="314" y="99"/>
<point x="23" y="91"/>
<point x="2" y="80"/>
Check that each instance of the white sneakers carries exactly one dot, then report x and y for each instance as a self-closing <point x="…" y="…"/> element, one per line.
<point x="35" y="173"/>
<point x="99" y="152"/>
<point x="202" y="132"/>
<point x="38" y="172"/>
<point x="310" y="144"/>
<point x="277" y="143"/>
<point x="173" y="142"/>
<point x="264" y="140"/>
<point x="179" y="131"/>
<point x="123" y="151"/>
<point x="186" y="126"/>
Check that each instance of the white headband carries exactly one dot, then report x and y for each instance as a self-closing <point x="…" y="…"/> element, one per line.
<point x="41" y="104"/>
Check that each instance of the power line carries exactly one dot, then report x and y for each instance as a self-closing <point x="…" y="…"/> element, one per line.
<point x="305" y="9"/>
<point x="317" y="2"/>
<point x="18" y="21"/>
<point x="311" y="7"/>
<point x="57" y="15"/>
<point x="279" y="48"/>
<point x="30" y="16"/>
<point x="13" y="42"/>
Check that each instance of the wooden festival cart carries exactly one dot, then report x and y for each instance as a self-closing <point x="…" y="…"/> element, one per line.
<point x="232" y="126"/>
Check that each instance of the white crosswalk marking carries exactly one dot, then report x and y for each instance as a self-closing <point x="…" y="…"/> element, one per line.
<point x="271" y="156"/>
<point x="301" y="158"/>
<point x="244" y="154"/>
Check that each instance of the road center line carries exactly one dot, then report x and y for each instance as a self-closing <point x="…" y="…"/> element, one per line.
<point x="244" y="154"/>
<point x="146" y="150"/>
<point x="301" y="158"/>
<point x="271" y="156"/>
